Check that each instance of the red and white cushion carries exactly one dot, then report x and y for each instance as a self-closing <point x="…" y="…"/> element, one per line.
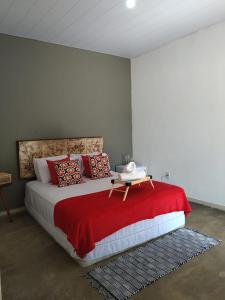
<point x="99" y="166"/>
<point x="83" y="157"/>
<point x="86" y="166"/>
<point x="52" y="171"/>
<point x="68" y="172"/>
<point x="41" y="167"/>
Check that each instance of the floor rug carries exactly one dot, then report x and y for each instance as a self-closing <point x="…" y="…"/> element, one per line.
<point x="129" y="273"/>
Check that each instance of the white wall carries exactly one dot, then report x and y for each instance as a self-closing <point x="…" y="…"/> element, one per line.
<point x="178" y="107"/>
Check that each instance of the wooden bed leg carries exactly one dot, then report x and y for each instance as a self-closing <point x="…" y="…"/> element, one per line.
<point x="125" y="195"/>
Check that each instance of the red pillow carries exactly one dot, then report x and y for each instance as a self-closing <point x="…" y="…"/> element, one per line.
<point x="52" y="171"/>
<point x="85" y="159"/>
<point x="68" y="172"/>
<point x="99" y="166"/>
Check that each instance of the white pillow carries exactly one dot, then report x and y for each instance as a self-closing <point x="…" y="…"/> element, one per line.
<point x="41" y="167"/>
<point x="75" y="156"/>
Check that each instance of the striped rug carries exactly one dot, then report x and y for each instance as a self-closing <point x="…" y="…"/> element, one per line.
<point x="129" y="273"/>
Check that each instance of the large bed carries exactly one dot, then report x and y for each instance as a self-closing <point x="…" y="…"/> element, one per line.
<point x="41" y="199"/>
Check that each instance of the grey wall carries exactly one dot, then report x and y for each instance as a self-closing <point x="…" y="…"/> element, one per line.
<point x="52" y="91"/>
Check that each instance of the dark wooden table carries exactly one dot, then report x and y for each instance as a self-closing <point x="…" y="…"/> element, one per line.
<point x="2" y="199"/>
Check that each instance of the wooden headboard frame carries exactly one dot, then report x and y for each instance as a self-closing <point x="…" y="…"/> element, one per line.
<point x="27" y="150"/>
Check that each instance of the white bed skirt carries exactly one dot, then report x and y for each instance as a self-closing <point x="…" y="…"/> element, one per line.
<point x="41" y="198"/>
<point x="120" y="241"/>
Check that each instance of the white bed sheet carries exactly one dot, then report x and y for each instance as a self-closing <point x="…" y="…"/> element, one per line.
<point x="41" y="198"/>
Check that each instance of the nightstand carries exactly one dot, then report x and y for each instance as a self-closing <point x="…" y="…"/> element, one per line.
<point x="139" y="167"/>
<point x="5" y="180"/>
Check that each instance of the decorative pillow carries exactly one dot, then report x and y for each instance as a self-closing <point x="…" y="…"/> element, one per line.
<point x="99" y="166"/>
<point x="68" y="172"/>
<point x="41" y="167"/>
<point x="85" y="160"/>
<point x="79" y="156"/>
<point x="52" y="171"/>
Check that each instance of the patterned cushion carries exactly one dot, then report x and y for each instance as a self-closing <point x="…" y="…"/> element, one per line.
<point x="85" y="160"/>
<point x="99" y="166"/>
<point x="68" y="172"/>
<point x="52" y="171"/>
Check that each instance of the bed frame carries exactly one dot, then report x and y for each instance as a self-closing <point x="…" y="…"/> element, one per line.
<point x="119" y="241"/>
<point x="27" y="150"/>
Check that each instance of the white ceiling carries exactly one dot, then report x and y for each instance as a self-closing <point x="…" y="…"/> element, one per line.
<point x="107" y="25"/>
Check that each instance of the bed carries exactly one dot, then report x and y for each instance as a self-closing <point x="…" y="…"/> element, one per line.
<point x="41" y="199"/>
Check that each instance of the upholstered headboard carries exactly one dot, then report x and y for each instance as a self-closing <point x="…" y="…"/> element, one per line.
<point x="29" y="149"/>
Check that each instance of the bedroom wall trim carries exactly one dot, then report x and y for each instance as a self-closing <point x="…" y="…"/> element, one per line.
<point x="0" y="288"/>
<point x="13" y="212"/>
<point x="208" y="204"/>
<point x="192" y="200"/>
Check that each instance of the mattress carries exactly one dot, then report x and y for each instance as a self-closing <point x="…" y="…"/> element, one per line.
<point x="41" y="198"/>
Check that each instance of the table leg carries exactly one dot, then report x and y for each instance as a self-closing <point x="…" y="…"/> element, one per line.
<point x="110" y="193"/>
<point x="125" y="195"/>
<point x="152" y="183"/>
<point x="5" y="206"/>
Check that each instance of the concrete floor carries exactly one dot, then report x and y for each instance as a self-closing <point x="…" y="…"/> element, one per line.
<point x="33" y="266"/>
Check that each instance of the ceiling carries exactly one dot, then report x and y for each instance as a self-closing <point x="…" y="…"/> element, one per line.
<point x="107" y="25"/>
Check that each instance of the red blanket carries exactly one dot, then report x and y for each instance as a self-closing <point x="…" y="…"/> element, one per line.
<point x="89" y="218"/>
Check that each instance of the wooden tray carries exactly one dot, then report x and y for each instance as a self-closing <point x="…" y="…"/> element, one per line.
<point x="128" y="184"/>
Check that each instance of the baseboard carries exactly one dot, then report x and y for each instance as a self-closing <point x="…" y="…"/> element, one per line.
<point x="0" y="288"/>
<point x="209" y="204"/>
<point x="13" y="211"/>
